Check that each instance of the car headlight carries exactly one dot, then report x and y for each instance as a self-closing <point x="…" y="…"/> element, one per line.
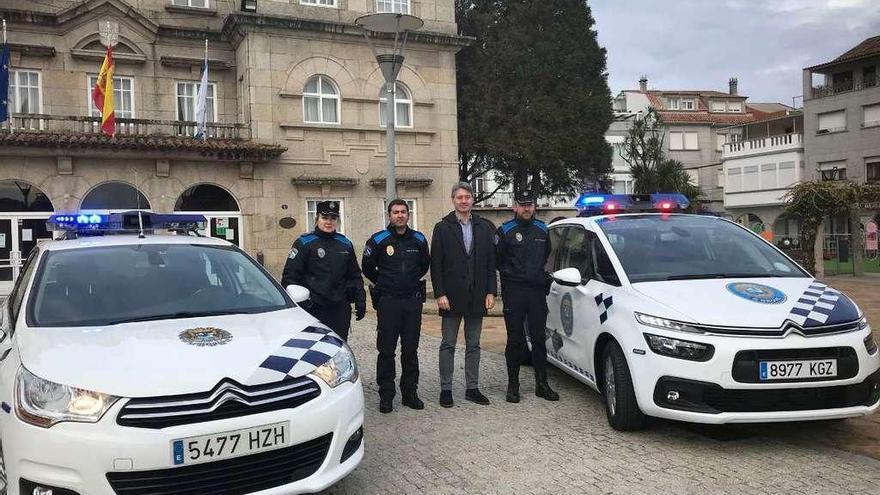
<point x="339" y="369"/>
<point x="863" y="323"/>
<point x="681" y="349"/>
<point x="665" y="324"/>
<point x="44" y="403"/>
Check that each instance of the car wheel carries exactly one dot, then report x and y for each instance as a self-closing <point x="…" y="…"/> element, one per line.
<point x="621" y="407"/>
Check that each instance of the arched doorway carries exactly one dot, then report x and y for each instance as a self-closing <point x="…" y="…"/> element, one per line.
<point x="752" y="222"/>
<point x="24" y="209"/>
<point x="115" y="197"/>
<point x="219" y="208"/>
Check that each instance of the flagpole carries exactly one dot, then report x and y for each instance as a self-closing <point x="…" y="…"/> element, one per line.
<point x="8" y="113"/>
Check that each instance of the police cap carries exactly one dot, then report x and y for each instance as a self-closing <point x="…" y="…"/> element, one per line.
<point x="328" y="208"/>
<point x="524" y="197"/>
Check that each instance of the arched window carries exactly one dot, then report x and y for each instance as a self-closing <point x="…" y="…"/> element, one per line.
<point x="115" y="196"/>
<point x="206" y="197"/>
<point x="403" y="109"/>
<point x="220" y="209"/>
<point x="320" y="101"/>
<point x="18" y="196"/>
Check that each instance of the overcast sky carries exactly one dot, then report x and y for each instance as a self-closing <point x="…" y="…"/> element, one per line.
<point x="700" y="44"/>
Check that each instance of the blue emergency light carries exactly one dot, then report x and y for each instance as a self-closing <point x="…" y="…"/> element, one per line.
<point x="590" y="204"/>
<point x="125" y="222"/>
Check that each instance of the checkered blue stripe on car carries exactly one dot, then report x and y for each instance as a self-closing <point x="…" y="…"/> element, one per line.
<point x="299" y="356"/>
<point x="603" y="303"/>
<point x="815" y="306"/>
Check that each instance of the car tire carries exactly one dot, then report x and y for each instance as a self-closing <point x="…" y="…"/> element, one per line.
<point x="621" y="406"/>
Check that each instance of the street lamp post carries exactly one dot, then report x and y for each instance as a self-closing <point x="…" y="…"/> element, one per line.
<point x="390" y="63"/>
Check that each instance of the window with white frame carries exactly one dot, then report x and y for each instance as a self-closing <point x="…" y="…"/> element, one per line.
<point x="312" y="209"/>
<point x="320" y="101"/>
<point x="679" y="140"/>
<point x="123" y="97"/>
<point x="187" y="92"/>
<point x="720" y="140"/>
<point x="872" y="170"/>
<point x="787" y="174"/>
<point x="832" y="122"/>
<point x="402" y="109"/>
<point x="673" y="103"/>
<point x="24" y="92"/>
<point x="871" y="115"/>
<point x="393" y="6"/>
<point x="319" y="3"/>
<point x="835" y="170"/>
<point x="688" y="104"/>
<point x="768" y="176"/>
<point x="191" y="3"/>
<point x="734" y="106"/>
<point x="750" y="181"/>
<point x="413" y="214"/>
<point x="733" y="183"/>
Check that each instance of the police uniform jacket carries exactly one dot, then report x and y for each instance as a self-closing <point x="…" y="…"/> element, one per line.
<point x="521" y="251"/>
<point x="326" y="264"/>
<point x="395" y="263"/>
<point x="463" y="278"/>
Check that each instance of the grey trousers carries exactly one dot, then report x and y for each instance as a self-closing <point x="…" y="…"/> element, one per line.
<point x="473" y="325"/>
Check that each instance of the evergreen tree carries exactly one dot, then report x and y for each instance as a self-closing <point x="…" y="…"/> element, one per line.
<point x="534" y="102"/>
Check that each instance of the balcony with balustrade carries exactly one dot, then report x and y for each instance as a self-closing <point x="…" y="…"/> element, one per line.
<point x="758" y="172"/>
<point x="766" y="145"/>
<point x="148" y="138"/>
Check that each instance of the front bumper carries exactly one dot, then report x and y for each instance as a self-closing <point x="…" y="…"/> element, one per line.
<point x="720" y="390"/>
<point x="81" y="457"/>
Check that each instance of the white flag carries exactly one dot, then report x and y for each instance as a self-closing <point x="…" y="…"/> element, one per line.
<point x="202" y="103"/>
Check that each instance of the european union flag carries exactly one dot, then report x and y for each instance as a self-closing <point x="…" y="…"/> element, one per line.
<point x="4" y="83"/>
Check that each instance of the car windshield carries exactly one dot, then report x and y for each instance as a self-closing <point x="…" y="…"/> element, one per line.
<point x="116" y="284"/>
<point x="682" y="247"/>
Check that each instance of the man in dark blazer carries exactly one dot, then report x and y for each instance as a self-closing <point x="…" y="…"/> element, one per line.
<point x="463" y="276"/>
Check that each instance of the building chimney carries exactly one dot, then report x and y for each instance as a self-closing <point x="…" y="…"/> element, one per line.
<point x="643" y="84"/>
<point x="733" y="83"/>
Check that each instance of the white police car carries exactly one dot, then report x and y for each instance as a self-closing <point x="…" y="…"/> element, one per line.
<point x="695" y="318"/>
<point x="173" y="364"/>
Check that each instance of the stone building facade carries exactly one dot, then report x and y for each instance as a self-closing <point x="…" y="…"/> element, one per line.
<point x="294" y="117"/>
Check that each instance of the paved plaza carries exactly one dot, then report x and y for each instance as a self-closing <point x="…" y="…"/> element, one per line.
<point x="538" y="447"/>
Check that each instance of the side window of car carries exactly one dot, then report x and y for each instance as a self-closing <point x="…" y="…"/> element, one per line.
<point x="17" y="295"/>
<point x="577" y="252"/>
<point x="557" y="248"/>
<point x="602" y="268"/>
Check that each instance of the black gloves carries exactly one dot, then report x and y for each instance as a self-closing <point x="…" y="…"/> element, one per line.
<point x="360" y="309"/>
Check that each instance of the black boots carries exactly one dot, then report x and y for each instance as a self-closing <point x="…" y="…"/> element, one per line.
<point x="446" y="398"/>
<point x="512" y="385"/>
<point x="412" y="401"/>
<point x="474" y="395"/>
<point x="542" y="389"/>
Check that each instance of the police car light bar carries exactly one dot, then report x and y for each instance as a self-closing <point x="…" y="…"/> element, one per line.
<point x="97" y="223"/>
<point x="589" y="204"/>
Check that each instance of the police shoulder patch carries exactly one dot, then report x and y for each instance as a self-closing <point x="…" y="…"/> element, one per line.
<point x="421" y="237"/>
<point x="508" y="225"/>
<point x="380" y="236"/>
<point x="341" y="238"/>
<point x="307" y="238"/>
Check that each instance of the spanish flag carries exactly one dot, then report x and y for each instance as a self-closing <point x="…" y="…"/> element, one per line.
<point x="102" y="95"/>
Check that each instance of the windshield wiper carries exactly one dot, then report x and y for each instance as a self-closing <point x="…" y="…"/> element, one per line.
<point x="180" y="314"/>
<point x="696" y="276"/>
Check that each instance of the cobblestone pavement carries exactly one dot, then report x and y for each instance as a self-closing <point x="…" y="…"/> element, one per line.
<point x="538" y="447"/>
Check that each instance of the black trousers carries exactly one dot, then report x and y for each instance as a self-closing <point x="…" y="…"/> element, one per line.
<point x="521" y="305"/>
<point x="399" y="318"/>
<point x="337" y="316"/>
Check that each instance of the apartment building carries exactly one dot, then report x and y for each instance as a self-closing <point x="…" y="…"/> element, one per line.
<point x="842" y="121"/>
<point x="294" y="111"/>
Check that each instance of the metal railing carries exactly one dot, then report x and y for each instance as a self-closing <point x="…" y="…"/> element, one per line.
<point x="845" y="87"/>
<point x="74" y="124"/>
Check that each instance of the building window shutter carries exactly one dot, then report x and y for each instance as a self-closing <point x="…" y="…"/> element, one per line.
<point x="690" y="141"/>
<point x="832" y="121"/>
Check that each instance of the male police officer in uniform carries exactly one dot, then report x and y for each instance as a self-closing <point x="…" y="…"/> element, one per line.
<point x="522" y="246"/>
<point x="395" y="260"/>
<point x="324" y="261"/>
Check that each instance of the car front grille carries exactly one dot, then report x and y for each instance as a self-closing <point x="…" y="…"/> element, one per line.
<point x="237" y="476"/>
<point x="746" y="370"/>
<point x="786" y="328"/>
<point x="690" y="395"/>
<point x="229" y="399"/>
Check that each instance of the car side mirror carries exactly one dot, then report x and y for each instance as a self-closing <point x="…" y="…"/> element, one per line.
<point x="298" y="293"/>
<point x="569" y="277"/>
